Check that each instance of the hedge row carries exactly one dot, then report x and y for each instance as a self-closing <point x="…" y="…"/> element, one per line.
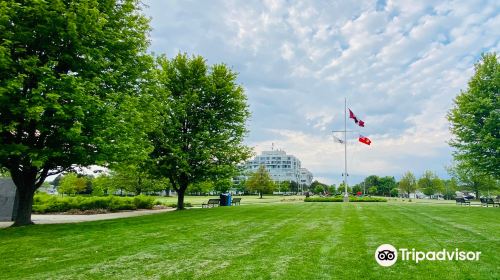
<point x="49" y="203"/>
<point x="340" y="199"/>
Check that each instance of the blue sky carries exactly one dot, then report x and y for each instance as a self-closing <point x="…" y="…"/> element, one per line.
<point x="398" y="63"/>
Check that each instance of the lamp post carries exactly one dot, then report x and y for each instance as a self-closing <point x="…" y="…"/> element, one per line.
<point x="346" y="196"/>
<point x="345" y="174"/>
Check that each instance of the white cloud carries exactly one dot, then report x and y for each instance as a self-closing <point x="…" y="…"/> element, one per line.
<point x="399" y="64"/>
<point x="287" y="51"/>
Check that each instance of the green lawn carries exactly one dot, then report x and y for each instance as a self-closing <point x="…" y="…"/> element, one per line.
<point x="260" y="241"/>
<point x="196" y="201"/>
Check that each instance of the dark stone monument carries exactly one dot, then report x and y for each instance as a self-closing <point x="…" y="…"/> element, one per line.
<point x="7" y="199"/>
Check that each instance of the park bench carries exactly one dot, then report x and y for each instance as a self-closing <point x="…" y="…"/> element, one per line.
<point x="495" y="203"/>
<point x="236" y="201"/>
<point x="488" y="201"/>
<point x="211" y="203"/>
<point x="462" y="200"/>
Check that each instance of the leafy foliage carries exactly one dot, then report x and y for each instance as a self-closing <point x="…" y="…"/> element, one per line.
<point x="102" y="185"/>
<point x="4" y="173"/>
<point x="71" y="184"/>
<point x="378" y="185"/>
<point x="450" y="187"/>
<point x="475" y="119"/>
<point x="430" y="183"/>
<point x="394" y="192"/>
<point x="341" y="188"/>
<point x="284" y="186"/>
<point x="372" y="190"/>
<point x="223" y="185"/>
<point x="201" y="187"/>
<point x="357" y="188"/>
<point x="467" y="177"/>
<point x="408" y="183"/>
<point x="318" y="187"/>
<point x="137" y="180"/>
<point x="260" y="181"/>
<point x="200" y="135"/>
<point x="70" y="72"/>
<point x="386" y="184"/>
<point x="372" y="181"/>
<point x="48" y="203"/>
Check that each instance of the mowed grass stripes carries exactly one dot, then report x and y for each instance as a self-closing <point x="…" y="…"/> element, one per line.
<point x="269" y="241"/>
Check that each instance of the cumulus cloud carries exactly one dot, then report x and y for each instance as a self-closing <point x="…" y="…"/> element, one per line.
<point x="398" y="63"/>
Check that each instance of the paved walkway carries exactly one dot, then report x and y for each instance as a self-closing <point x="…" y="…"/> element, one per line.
<point x="62" y="219"/>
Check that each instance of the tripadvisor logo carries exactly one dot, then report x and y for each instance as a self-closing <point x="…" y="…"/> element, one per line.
<point x="387" y="255"/>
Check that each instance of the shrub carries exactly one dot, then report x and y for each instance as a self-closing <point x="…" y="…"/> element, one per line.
<point x="340" y="199"/>
<point x="143" y="202"/>
<point x="43" y="203"/>
<point x="174" y="205"/>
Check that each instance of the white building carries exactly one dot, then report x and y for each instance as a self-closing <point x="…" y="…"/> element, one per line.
<point x="281" y="167"/>
<point x="306" y="177"/>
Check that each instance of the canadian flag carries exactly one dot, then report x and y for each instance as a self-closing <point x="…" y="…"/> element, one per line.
<point x="364" y="140"/>
<point x="356" y="120"/>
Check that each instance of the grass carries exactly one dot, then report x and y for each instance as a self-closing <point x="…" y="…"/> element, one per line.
<point x="341" y="199"/>
<point x="196" y="201"/>
<point x="260" y="241"/>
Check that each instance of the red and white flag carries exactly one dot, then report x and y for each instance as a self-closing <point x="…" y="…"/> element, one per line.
<point x="356" y="120"/>
<point x="364" y="140"/>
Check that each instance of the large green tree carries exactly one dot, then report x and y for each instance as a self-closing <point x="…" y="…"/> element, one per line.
<point x="70" y="73"/>
<point x="430" y="183"/>
<point x="469" y="178"/>
<point x="450" y="187"/>
<point x="372" y="181"/>
<point x="201" y="188"/>
<point x="408" y="183"/>
<point x="260" y="181"/>
<point x="385" y="185"/>
<point x="200" y="135"/>
<point x="71" y="184"/>
<point x="475" y="119"/>
<point x="318" y="187"/>
<point x="284" y="186"/>
<point x="136" y="179"/>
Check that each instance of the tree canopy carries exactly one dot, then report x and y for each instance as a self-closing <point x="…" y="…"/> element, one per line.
<point x="408" y="183"/>
<point x="383" y="185"/>
<point x="468" y="178"/>
<point x="200" y="136"/>
<point x="475" y="119"/>
<point x="318" y="187"/>
<point x="70" y="75"/>
<point x="71" y="184"/>
<point x="260" y="181"/>
<point x="430" y="183"/>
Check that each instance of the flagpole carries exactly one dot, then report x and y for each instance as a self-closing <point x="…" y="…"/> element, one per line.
<point x="346" y="196"/>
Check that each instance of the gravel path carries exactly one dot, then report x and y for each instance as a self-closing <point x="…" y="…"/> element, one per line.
<point x="62" y="219"/>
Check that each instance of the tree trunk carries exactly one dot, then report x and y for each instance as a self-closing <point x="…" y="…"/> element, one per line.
<point x="260" y="194"/>
<point x="24" y="207"/>
<point x="180" y="197"/>
<point x="138" y="188"/>
<point x="26" y="181"/>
